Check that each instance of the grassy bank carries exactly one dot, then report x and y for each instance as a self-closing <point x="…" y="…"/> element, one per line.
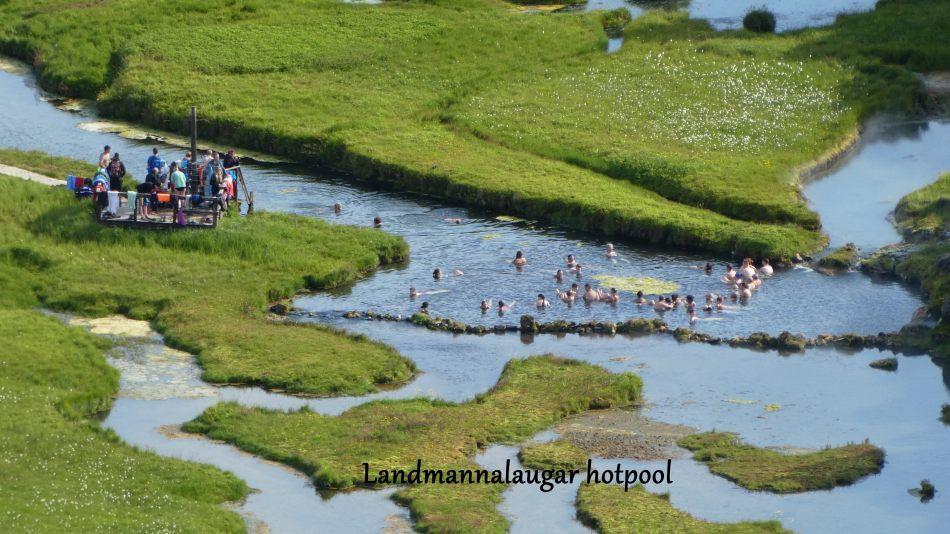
<point x="531" y="394"/>
<point x="686" y="137"/>
<point x="609" y="509"/>
<point x="206" y="291"/>
<point x="924" y="215"/>
<point x="62" y="473"/>
<point x="761" y="469"/>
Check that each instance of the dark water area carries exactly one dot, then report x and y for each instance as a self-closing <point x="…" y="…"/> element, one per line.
<point x="822" y="397"/>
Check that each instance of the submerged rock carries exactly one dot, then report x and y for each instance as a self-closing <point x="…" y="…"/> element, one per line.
<point x="884" y="364"/>
<point x="528" y="324"/>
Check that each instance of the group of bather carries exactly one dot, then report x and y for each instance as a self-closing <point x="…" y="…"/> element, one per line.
<point x="739" y="287"/>
<point x="214" y="181"/>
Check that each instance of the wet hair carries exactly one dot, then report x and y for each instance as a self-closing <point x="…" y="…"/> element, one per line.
<point x="719" y="298"/>
<point x="519" y="254"/>
<point x="106" y="148"/>
<point x="570" y="256"/>
<point x="668" y="300"/>
<point x="586" y="286"/>
<point x="574" y="285"/>
<point x="639" y="293"/>
<point x="541" y="296"/>
<point x="501" y="304"/>
<point x="689" y="298"/>
<point x="728" y="266"/>
<point x="675" y="296"/>
<point x="115" y="156"/>
<point x="613" y="290"/>
<point x="377" y="221"/>
<point x="425" y="305"/>
<point x="437" y="272"/>
<point x="559" y="271"/>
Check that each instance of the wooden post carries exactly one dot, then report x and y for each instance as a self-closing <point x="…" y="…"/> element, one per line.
<point x="193" y="167"/>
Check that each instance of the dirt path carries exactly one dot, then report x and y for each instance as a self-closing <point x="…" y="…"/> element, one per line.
<point x="17" y="172"/>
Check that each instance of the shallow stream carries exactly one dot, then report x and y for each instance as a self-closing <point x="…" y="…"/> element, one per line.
<point x="823" y="397"/>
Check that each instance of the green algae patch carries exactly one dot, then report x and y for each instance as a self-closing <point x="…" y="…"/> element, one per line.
<point x="54" y="378"/>
<point x="649" y="286"/>
<point x="205" y="291"/>
<point x="760" y="469"/>
<point x="609" y="509"/>
<point x="556" y="454"/>
<point x="532" y="394"/>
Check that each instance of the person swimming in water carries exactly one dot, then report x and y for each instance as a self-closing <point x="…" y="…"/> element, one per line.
<point x="413" y="293"/>
<point x="744" y="292"/>
<point x="730" y="274"/>
<point x="709" y="267"/>
<point x="577" y="270"/>
<point x="541" y="302"/>
<point x="690" y="305"/>
<point x="424" y="309"/>
<point x="720" y="305"/>
<point x="457" y="272"/>
<point x="662" y="305"/>
<point x="377" y="222"/>
<point x="747" y="270"/>
<point x="590" y="294"/>
<point x="454" y="220"/>
<point x="613" y="297"/>
<point x="559" y="276"/>
<point x="755" y="283"/>
<point x="486" y="305"/>
<point x="437" y="274"/>
<point x="708" y="306"/>
<point x="610" y="253"/>
<point x="337" y="208"/>
<point x="766" y="269"/>
<point x="675" y="300"/>
<point x="519" y="260"/>
<point x="502" y="307"/>
<point x="640" y="300"/>
<point x="570" y="261"/>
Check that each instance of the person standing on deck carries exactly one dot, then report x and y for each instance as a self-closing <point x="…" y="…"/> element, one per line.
<point x="185" y="162"/>
<point x="155" y="161"/>
<point x="231" y="160"/>
<point x="116" y="172"/>
<point x="178" y="179"/>
<point x="105" y="157"/>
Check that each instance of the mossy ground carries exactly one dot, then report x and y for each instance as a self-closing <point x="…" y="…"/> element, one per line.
<point x="924" y="214"/>
<point x="531" y="395"/>
<point x="609" y="509"/>
<point x="677" y="139"/>
<point x="761" y="469"/>
<point x="62" y="473"/>
<point x="556" y="454"/>
<point x="206" y="291"/>
<point x="841" y="258"/>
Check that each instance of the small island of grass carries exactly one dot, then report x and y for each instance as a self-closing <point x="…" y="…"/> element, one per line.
<point x="556" y="454"/>
<point x="609" y="509"/>
<point x="760" y="469"/>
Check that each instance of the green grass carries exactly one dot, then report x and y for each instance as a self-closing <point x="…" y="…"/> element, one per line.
<point x="531" y="395"/>
<point x="556" y="454"/>
<point x="206" y="291"/>
<point x="761" y="469"/>
<point x="686" y="137"/>
<point x="925" y="213"/>
<point x="62" y="472"/>
<point x="609" y="509"/>
<point x="843" y="257"/>
<point x="42" y="163"/>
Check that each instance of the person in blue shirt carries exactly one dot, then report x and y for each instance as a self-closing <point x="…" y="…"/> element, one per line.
<point x="154" y="161"/>
<point x="185" y="162"/>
